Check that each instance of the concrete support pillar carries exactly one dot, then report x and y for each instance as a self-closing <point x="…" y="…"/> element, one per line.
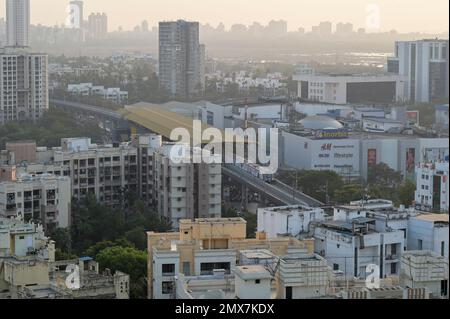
<point x="244" y="197"/>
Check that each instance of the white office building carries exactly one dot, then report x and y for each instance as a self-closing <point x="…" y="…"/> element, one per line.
<point x="424" y="63"/>
<point x="351" y="89"/>
<point x="322" y="143"/>
<point x="432" y="182"/>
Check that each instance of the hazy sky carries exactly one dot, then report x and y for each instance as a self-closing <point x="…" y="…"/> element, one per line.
<point x="402" y="15"/>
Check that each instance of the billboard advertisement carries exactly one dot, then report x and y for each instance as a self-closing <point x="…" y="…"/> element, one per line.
<point x="412" y="117"/>
<point x="372" y="157"/>
<point x="410" y="162"/>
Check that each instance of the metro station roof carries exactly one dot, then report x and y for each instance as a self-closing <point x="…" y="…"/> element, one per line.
<point x="161" y="121"/>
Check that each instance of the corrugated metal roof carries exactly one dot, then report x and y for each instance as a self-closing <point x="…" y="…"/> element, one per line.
<point x="162" y="121"/>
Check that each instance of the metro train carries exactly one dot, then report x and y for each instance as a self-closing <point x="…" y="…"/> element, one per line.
<point x="255" y="170"/>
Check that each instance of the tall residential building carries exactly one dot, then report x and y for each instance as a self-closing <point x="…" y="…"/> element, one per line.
<point x="425" y="64"/>
<point x="23" y="85"/>
<point x="76" y="22"/>
<point x="178" y="190"/>
<point x="180" y="58"/>
<point x="325" y="28"/>
<point x="344" y="29"/>
<point x="97" y="26"/>
<point x="203" y="66"/>
<point x="18" y="23"/>
<point x="77" y="8"/>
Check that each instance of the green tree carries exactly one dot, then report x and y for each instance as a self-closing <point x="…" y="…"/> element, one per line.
<point x="348" y="193"/>
<point x="130" y="261"/>
<point x="94" y="250"/>
<point x="63" y="239"/>
<point x="137" y="236"/>
<point x="94" y="222"/>
<point x="382" y="175"/>
<point x="318" y="184"/>
<point x="61" y="255"/>
<point x="48" y="131"/>
<point x="250" y="218"/>
<point x="406" y="193"/>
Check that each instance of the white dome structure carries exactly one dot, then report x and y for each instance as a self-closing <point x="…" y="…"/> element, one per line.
<point x="320" y="122"/>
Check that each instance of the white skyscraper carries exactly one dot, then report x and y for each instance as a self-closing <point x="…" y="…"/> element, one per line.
<point x="17" y="23"/>
<point x="425" y="64"/>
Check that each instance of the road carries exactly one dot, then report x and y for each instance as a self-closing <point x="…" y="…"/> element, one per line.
<point x="276" y="191"/>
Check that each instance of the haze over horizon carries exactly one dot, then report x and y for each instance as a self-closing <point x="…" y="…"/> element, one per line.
<point x="402" y="15"/>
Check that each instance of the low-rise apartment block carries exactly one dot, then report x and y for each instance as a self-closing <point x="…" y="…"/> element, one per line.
<point x="350" y="246"/>
<point x="303" y="276"/>
<point x="210" y="247"/>
<point x="39" y="198"/>
<point x="115" y="95"/>
<point x="177" y="190"/>
<point x="28" y="269"/>
<point x="288" y="220"/>
<point x="429" y="232"/>
<point x="25" y="254"/>
<point x="425" y="269"/>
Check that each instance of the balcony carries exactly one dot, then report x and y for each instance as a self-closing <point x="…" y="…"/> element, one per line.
<point x="393" y="258"/>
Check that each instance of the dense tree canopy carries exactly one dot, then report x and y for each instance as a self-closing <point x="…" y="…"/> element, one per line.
<point x="48" y="131"/>
<point x="329" y="187"/>
<point x="101" y="232"/>
<point x="130" y="261"/>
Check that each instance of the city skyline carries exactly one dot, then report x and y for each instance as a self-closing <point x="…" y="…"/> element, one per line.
<point x="402" y="16"/>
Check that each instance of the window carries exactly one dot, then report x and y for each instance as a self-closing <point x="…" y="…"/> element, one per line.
<point x="288" y="293"/>
<point x="208" y="268"/>
<point x="394" y="249"/>
<point x="443" y="248"/>
<point x="393" y="268"/>
<point x="186" y="268"/>
<point x="167" y="288"/>
<point x="168" y="269"/>
<point x="335" y="267"/>
<point x="257" y="281"/>
<point x="420" y="244"/>
<point x="444" y="284"/>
